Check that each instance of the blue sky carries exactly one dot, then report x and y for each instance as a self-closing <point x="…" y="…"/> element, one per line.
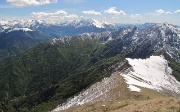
<point x="114" y="11"/>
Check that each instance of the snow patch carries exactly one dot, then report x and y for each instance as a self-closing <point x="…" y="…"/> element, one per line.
<point x="134" y="88"/>
<point x="178" y="34"/>
<point x="109" y="39"/>
<point x="152" y="73"/>
<point x="98" y="24"/>
<point x="54" y="40"/>
<point x="17" y="29"/>
<point x="3" y="22"/>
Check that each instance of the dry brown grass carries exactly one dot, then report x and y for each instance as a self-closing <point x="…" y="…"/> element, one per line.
<point x="155" y="105"/>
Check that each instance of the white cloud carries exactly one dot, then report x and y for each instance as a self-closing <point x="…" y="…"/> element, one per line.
<point x="30" y="2"/>
<point x="160" y="11"/>
<point x="58" y="14"/>
<point x="41" y="14"/>
<point x="112" y="10"/>
<point x="6" y="6"/>
<point x="177" y="11"/>
<point x="136" y="16"/>
<point x="92" y="12"/>
<point x="71" y="16"/>
<point x="74" y="1"/>
<point x="168" y="12"/>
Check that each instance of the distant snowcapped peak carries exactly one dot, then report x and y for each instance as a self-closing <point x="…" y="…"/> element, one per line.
<point x="98" y="24"/>
<point x="165" y="26"/>
<point x="88" y="22"/>
<point x="18" y="29"/>
<point x="3" y="22"/>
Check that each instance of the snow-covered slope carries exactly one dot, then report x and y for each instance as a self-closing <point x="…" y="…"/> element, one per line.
<point x="14" y="25"/>
<point x="88" y="22"/>
<point x="142" y="43"/>
<point x="152" y="73"/>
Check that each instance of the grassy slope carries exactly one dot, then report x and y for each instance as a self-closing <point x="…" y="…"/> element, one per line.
<point x="152" y="105"/>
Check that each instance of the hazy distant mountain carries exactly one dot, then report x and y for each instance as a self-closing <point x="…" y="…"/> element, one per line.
<point x="15" y="42"/>
<point x="140" y="26"/>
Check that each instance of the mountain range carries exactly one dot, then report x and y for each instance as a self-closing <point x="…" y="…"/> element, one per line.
<point x="56" y="29"/>
<point x="67" y="28"/>
<point x="18" y="36"/>
<point x="76" y="70"/>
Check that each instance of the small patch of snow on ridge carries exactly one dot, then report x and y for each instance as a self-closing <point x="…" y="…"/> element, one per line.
<point x="17" y="29"/>
<point x="54" y="40"/>
<point x="152" y="73"/>
<point x="134" y="88"/>
<point x="98" y="24"/>
<point x="109" y="39"/>
<point x="3" y="22"/>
